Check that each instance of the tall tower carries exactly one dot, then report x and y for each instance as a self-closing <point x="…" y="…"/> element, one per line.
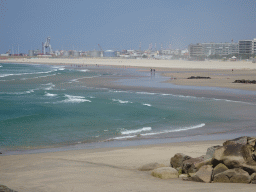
<point x="47" y="44"/>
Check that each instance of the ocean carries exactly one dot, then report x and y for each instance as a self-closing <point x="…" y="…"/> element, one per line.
<point x="44" y="106"/>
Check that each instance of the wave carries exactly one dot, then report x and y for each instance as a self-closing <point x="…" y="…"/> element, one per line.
<point x="139" y="134"/>
<point x="128" y="132"/>
<point x="124" y="137"/>
<point x="74" y="99"/>
<point x="84" y="70"/>
<point x="176" y="130"/>
<point x="19" y="93"/>
<point x="50" y="94"/>
<point x="146" y="104"/>
<point x="18" y="74"/>
<point x="60" y="68"/>
<point x="146" y="93"/>
<point x="1" y="66"/>
<point x="51" y="85"/>
<point x="120" y="101"/>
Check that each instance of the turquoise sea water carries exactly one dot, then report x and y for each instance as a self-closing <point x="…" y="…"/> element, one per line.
<point x="42" y="106"/>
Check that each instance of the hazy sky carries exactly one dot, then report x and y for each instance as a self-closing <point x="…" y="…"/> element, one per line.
<point x="123" y="24"/>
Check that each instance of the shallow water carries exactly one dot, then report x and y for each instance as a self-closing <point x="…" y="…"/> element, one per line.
<point x="44" y="106"/>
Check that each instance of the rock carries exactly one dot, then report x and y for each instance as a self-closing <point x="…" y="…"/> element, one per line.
<point x="150" y="166"/>
<point x="3" y="188"/>
<point x="239" y="140"/>
<point x="204" y="174"/>
<point x="202" y="163"/>
<point x="188" y="166"/>
<point x="232" y="176"/>
<point x="235" y="156"/>
<point x="191" y="174"/>
<point x="177" y="160"/>
<point x="210" y="152"/>
<point x="219" y="169"/>
<point x="165" y="173"/>
<point x="183" y="176"/>
<point x="253" y="178"/>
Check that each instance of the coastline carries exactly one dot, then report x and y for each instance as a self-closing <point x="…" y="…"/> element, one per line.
<point x="81" y="167"/>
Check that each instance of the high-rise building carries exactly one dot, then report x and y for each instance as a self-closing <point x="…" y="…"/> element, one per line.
<point x="195" y="50"/>
<point x="245" y="47"/>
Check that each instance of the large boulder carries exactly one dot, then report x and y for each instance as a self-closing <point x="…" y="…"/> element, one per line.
<point x="239" y="140"/>
<point x="235" y="156"/>
<point x="189" y="166"/>
<point x="253" y="178"/>
<point x="219" y="169"/>
<point x="232" y="176"/>
<point x="177" y="160"/>
<point x="202" y="163"/>
<point x="150" y="166"/>
<point x="243" y="141"/>
<point x="204" y="174"/>
<point x="210" y="152"/>
<point x="165" y="173"/>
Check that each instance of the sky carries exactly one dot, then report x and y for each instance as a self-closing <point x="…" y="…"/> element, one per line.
<point x="118" y="24"/>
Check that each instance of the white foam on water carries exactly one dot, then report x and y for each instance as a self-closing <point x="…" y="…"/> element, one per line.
<point x="175" y="130"/>
<point x="84" y="70"/>
<point x="1" y="66"/>
<point x="120" y="101"/>
<point x="51" y="85"/>
<point x="146" y="93"/>
<point x="128" y="132"/>
<point x="60" y="68"/>
<point x="50" y="94"/>
<point x="146" y="104"/>
<point x="124" y="137"/>
<point x="74" y="99"/>
<point x="19" y="93"/>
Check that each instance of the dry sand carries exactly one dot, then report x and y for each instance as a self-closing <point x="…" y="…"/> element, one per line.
<point x="104" y="170"/>
<point x="116" y="169"/>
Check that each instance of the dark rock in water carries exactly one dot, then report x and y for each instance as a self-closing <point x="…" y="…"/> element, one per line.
<point x="188" y="166"/>
<point x="1" y="153"/>
<point x="198" y="77"/>
<point x="177" y="160"/>
<point x="219" y="169"/>
<point x="204" y="174"/>
<point x="232" y="176"/>
<point x="3" y="188"/>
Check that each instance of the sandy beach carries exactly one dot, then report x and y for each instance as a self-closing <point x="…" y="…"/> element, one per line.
<point x="116" y="169"/>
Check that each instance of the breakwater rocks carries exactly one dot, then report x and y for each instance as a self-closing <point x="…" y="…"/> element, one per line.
<point x="233" y="162"/>
<point x="245" y="81"/>
<point x="3" y="188"/>
<point x="198" y="77"/>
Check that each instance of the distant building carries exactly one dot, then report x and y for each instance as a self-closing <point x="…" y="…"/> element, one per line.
<point x="247" y="47"/>
<point x="208" y="49"/>
<point x="195" y="50"/>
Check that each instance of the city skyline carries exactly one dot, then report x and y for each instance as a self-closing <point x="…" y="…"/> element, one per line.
<point x="82" y="25"/>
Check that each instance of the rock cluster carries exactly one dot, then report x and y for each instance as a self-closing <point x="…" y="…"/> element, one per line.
<point x="234" y="162"/>
<point x="245" y="81"/>
<point x="3" y="188"/>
